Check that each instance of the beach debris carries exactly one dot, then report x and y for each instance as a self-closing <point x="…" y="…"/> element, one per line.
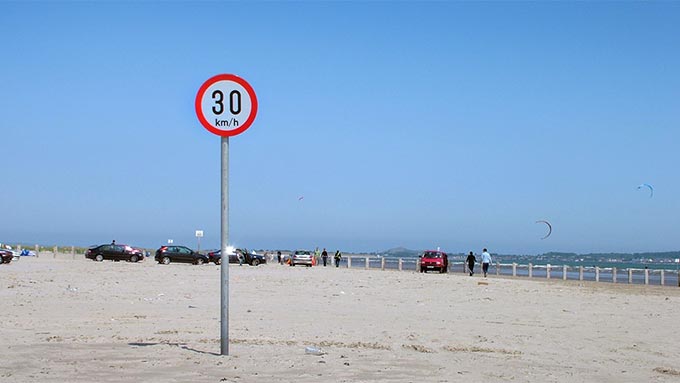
<point x="483" y="283"/>
<point x="667" y="371"/>
<point x="72" y="289"/>
<point x="549" y="227"/>
<point x="311" y="350"/>
<point x="651" y="189"/>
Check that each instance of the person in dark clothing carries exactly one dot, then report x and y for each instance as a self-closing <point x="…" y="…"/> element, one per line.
<point x="324" y="256"/>
<point x="337" y="257"/>
<point x="470" y="260"/>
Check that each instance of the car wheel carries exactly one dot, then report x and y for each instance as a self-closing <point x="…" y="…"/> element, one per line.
<point x="218" y="261"/>
<point x="134" y="258"/>
<point x="99" y="258"/>
<point x="166" y="260"/>
<point x="255" y="262"/>
<point x="199" y="261"/>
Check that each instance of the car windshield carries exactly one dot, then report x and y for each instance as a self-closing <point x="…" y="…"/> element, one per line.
<point x="303" y="252"/>
<point x="432" y="255"/>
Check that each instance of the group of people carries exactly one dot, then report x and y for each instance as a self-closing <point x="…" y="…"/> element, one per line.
<point x="323" y="255"/>
<point x="485" y="261"/>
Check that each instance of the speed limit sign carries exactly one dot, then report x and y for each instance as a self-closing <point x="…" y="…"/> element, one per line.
<point x="226" y="105"/>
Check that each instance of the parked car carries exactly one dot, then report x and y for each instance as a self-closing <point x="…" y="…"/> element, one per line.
<point x="434" y="260"/>
<point x="183" y="254"/>
<point x="15" y="254"/>
<point x="302" y="257"/>
<point x="6" y="256"/>
<point x="248" y="257"/>
<point x="115" y="253"/>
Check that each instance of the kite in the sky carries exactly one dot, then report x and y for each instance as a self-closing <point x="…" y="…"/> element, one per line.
<point x="549" y="228"/>
<point x="651" y="189"/>
<point x="301" y="198"/>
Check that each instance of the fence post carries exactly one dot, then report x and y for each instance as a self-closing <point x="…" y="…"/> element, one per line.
<point x="646" y="276"/>
<point x="514" y="269"/>
<point x="630" y="275"/>
<point x="349" y="262"/>
<point x="382" y="263"/>
<point x="614" y="274"/>
<point x="597" y="273"/>
<point x="531" y="270"/>
<point x="73" y="252"/>
<point x="663" y="277"/>
<point x="547" y="271"/>
<point x="401" y="264"/>
<point x="37" y="251"/>
<point x="367" y="267"/>
<point x="564" y="272"/>
<point x="498" y="268"/>
<point x="55" y="252"/>
<point x="580" y="273"/>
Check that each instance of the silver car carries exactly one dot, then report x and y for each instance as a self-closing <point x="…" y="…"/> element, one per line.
<point x="302" y="257"/>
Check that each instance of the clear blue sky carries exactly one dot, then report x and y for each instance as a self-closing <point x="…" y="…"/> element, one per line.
<point x="402" y="124"/>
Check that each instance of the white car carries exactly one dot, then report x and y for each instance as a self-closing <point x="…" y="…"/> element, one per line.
<point x="302" y="257"/>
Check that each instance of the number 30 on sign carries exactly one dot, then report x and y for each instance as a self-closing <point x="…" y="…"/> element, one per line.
<point x="226" y="105"/>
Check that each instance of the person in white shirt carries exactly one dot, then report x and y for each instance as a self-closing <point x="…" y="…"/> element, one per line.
<point x="486" y="261"/>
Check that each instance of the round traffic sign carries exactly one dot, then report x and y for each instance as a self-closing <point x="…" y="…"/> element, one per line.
<point x="226" y="105"/>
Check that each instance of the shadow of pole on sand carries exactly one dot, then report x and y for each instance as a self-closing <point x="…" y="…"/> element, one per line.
<point x="180" y="345"/>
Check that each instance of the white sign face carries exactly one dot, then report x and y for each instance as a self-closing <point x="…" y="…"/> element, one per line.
<point x="226" y="105"/>
<point x="199" y="233"/>
<point x="677" y="260"/>
<point x="170" y="241"/>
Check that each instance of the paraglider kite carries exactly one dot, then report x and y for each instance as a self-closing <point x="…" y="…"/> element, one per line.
<point x="549" y="228"/>
<point x="301" y="198"/>
<point x="651" y="189"/>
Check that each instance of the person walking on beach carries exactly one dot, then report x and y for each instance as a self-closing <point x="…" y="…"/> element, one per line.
<point x="239" y="254"/>
<point x="278" y="256"/>
<point x="337" y="257"/>
<point x="470" y="260"/>
<point x="486" y="260"/>
<point x="316" y="256"/>
<point x="324" y="256"/>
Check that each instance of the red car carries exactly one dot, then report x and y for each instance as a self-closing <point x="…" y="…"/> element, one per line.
<point x="114" y="252"/>
<point x="434" y="260"/>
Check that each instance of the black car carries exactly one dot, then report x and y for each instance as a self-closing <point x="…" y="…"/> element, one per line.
<point x="248" y="257"/>
<point x="115" y="253"/>
<point x="6" y="256"/>
<point x="167" y="254"/>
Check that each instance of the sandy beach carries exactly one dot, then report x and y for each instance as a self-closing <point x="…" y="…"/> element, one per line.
<point x="69" y="320"/>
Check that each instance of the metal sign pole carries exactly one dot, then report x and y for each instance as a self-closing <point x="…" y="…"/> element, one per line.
<point x="224" y="264"/>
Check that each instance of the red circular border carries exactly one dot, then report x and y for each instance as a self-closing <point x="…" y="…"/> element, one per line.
<point x="199" y="110"/>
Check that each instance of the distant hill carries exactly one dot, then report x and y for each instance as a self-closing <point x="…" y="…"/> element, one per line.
<point x="401" y="252"/>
